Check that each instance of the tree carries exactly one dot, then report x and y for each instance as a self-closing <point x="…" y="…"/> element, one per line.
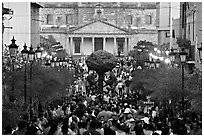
<point x="194" y="85"/>
<point x="183" y="43"/>
<point x="101" y="61"/>
<point x="52" y="47"/>
<point x="160" y="84"/>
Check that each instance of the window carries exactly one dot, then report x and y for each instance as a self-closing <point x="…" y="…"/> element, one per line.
<point x="148" y="19"/>
<point x="138" y="21"/>
<point x="167" y="34"/>
<point x="173" y="33"/>
<point x="50" y="19"/>
<point x="59" y="20"/>
<point x="129" y="19"/>
<point x="77" y="47"/>
<point x="69" y="19"/>
<point x="189" y="30"/>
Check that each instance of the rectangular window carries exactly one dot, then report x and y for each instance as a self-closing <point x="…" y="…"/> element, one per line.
<point x="138" y="21"/>
<point x="50" y="19"/>
<point x="69" y="19"/>
<point x="77" y="47"/>
<point x="148" y="19"/>
<point x="167" y="34"/>
<point x="129" y="19"/>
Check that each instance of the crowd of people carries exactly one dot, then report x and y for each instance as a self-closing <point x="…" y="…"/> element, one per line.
<point x="116" y="111"/>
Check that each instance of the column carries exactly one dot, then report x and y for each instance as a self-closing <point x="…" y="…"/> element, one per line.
<point x="68" y="46"/>
<point x="71" y="46"/>
<point x="125" y="47"/>
<point x="82" y="46"/>
<point x="104" y="43"/>
<point x="115" y="48"/>
<point x="93" y="38"/>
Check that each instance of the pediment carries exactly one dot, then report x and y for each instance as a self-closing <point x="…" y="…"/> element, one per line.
<point x="99" y="27"/>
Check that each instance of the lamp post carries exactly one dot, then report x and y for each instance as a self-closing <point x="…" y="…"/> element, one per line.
<point x="38" y="53"/>
<point x="172" y="57"/>
<point x="152" y="64"/>
<point x="157" y="63"/>
<point x="13" y="53"/>
<point x="25" y="58"/>
<point x="31" y="56"/>
<point x="183" y="55"/>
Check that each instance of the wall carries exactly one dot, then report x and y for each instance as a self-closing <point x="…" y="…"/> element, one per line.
<point x="35" y="29"/>
<point x="20" y="22"/>
<point x="176" y="28"/>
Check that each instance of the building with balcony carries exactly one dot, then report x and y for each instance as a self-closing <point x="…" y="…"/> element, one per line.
<point x="191" y="29"/>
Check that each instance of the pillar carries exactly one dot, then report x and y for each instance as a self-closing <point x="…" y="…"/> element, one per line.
<point x="68" y="46"/>
<point x="82" y="46"/>
<point x="104" y="43"/>
<point x="71" y="46"/>
<point x="125" y="47"/>
<point x="115" y="50"/>
<point x="93" y="38"/>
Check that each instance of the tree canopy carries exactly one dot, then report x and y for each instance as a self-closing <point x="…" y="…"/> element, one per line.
<point x="101" y="61"/>
<point x="165" y="83"/>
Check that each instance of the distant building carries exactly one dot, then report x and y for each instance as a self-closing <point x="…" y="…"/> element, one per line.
<point x="175" y="32"/>
<point x="163" y="18"/>
<point x="24" y="23"/>
<point x="191" y="29"/>
<point x="80" y="25"/>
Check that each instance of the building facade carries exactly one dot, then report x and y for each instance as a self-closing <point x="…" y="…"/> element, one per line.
<point x="191" y="29"/>
<point x="163" y="21"/>
<point x="24" y="23"/>
<point x="101" y="23"/>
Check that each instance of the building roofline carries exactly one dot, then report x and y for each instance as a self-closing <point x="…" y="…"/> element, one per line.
<point x="34" y="4"/>
<point x="70" y="31"/>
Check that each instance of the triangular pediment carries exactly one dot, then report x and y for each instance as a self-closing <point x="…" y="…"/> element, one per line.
<point x="99" y="27"/>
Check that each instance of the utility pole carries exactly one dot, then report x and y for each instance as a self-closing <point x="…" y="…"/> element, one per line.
<point x="170" y="25"/>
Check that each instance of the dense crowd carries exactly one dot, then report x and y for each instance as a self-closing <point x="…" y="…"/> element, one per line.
<point x="116" y="111"/>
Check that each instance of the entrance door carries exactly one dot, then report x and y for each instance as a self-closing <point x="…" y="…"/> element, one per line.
<point x="98" y="44"/>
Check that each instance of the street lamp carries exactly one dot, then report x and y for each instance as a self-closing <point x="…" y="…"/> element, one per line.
<point x="57" y="62"/>
<point x="38" y="53"/>
<point x="13" y="53"/>
<point x="147" y="62"/>
<point x="157" y="63"/>
<point x="52" y="63"/>
<point x="13" y="49"/>
<point x="31" y="57"/>
<point x="152" y="64"/>
<point x="172" y="56"/>
<point x="24" y="53"/>
<point x="183" y="55"/>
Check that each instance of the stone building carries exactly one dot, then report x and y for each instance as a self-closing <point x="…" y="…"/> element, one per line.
<point x="85" y="27"/>
<point x="191" y="29"/>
